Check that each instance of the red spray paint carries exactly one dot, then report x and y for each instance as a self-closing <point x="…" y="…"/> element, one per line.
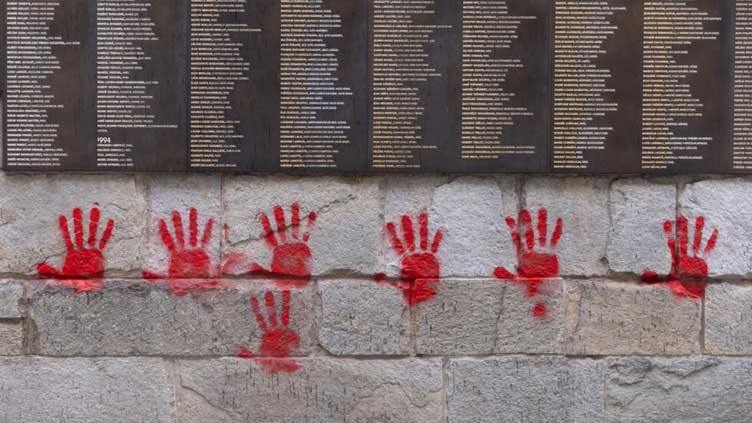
<point x="421" y="269"/>
<point x="278" y="340"/>
<point x="188" y="258"/>
<point x="291" y="257"/>
<point x="83" y="266"/>
<point x="536" y="262"/>
<point x="689" y="270"/>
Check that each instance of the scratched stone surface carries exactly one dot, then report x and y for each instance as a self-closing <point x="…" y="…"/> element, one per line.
<point x="323" y="390"/>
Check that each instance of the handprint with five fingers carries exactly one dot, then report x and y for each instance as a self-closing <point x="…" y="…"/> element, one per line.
<point x="420" y="266"/>
<point x="536" y="259"/>
<point x="83" y="266"/>
<point x="278" y="340"/>
<point x="291" y="257"/>
<point x="187" y="260"/>
<point x="689" y="270"/>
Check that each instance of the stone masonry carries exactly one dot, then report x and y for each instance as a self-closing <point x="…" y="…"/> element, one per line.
<point x="359" y="341"/>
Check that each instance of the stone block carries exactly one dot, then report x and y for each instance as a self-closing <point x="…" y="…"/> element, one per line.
<point x="728" y="319"/>
<point x="322" y="390"/>
<point x="363" y="318"/>
<point x="687" y="390"/>
<point x="10" y="296"/>
<point x="521" y="389"/>
<point x="638" y="210"/>
<point x="81" y="390"/>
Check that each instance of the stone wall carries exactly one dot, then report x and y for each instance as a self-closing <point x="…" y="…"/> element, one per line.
<point x="239" y="326"/>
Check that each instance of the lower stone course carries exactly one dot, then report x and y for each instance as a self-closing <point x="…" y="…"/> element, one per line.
<point x="322" y="391"/>
<point x="85" y="390"/>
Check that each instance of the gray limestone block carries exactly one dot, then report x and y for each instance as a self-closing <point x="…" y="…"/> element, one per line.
<point x="582" y="204"/>
<point x="724" y="204"/>
<point x="728" y="319"/>
<point x="636" y="239"/>
<point x="11" y="338"/>
<point x="10" y="296"/>
<point x="81" y="390"/>
<point x="30" y="207"/>
<point x="136" y="318"/>
<point x="322" y="390"/>
<point x="687" y="390"/>
<point x="181" y="193"/>
<point x="490" y="316"/>
<point x="524" y="389"/>
<point x="605" y="317"/>
<point x="363" y="318"/>
<point x="344" y="239"/>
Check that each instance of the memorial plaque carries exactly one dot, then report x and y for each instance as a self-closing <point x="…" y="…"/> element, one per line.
<point x="359" y="86"/>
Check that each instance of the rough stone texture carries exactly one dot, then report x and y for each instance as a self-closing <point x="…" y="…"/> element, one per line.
<point x="11" y="338"/>
<point x="525" y="389"/>
<point x="728" y="319"/>
<point x="584" y="210"/>
<point x="132" y="318"/>
<point x="30" y="207"/>
<point x="638" y="210"/>
<point x="687" y="390"/>
<point x="323" y="390"/>
<point x="10" y="295"/>
<point x="347" y="232"/>
<point x="363" y="318"/>
<point x="76" y="390"/>
<point x="489" y="316"/>
<point x="471" y="212"/>
<point x="726" y="205"/>
<point x="625" y="318"/>
<point x="168" y="193"/>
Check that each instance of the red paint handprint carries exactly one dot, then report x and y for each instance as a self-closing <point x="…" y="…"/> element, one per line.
<point x="533" y="266"/>
<point x="189" y="261"/>
<point x="83" y="266"/>
<point x="291" y="257"/>
<point x="421" y="269"/>
<point x="688" y="272"/>
<point x="278" y="340"/>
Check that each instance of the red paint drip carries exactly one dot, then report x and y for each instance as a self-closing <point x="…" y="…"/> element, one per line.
<point x="420" y="267"/>
<point x="533" y="267"/>
<point x="278" y="340"/>
<point x="689" y="268"/>
<point x="189" y="259"/>
<point x="84" y="263"/>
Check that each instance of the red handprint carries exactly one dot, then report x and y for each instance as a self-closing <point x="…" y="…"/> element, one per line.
<point x="291" y="256"/>
<point x="186" y="261"/>
<point x="278" y="340"/>
<point x="688" y="272"/>
<point x="83" y="266"/>
<point x="421" y="269"/>
<point x="533" y="267"/>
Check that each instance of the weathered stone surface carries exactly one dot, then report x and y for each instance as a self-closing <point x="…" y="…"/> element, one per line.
<point x="322" y="390"/>
<point x="728" y="319"/>
<point x="133" y="318"/>
<point x="11" y="338"/>
<point x="76" y="390"/>
<point x="10" y="295"/>
<point x="624" y="318"/>
<point x="471" y="211"/>
<point x="726" y="205"/>
<point x="363" y="318"/>
<point x="490" y="316"/>
<point x="638" y="210"/>
<point x="525" y="389"/>
<point x="30" y="206"/>
<point x="687" y="390"/>
<point x="347" y="232"/>
<point x="582" y="203"/>
<point x="168" y="193"/>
